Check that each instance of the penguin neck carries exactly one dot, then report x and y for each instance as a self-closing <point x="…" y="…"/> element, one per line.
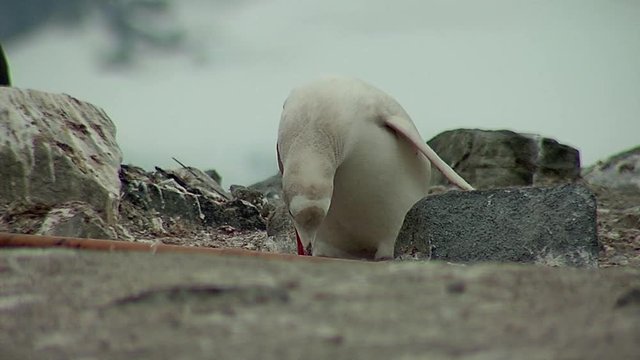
<point x="312" y="165"/>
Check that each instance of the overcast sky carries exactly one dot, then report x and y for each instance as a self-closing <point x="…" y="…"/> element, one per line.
<point x="569" y="70"/>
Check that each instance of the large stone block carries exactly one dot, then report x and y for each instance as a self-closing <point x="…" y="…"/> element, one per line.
<point x="555" y="226"/>
<point x="56" y="149"/>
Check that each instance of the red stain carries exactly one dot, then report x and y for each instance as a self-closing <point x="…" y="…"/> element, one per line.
<point x="300" y="247"/>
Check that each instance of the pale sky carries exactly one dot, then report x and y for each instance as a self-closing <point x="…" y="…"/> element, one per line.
<point x="565" y="69"/>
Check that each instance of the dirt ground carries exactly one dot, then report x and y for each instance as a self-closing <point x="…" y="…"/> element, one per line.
<point x="70" y="304"/>
<point x="618" y="227"/>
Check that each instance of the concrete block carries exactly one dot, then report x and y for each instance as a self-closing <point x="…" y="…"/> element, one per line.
<point x="554" y="226"/>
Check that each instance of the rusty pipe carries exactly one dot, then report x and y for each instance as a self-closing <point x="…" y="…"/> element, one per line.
<point x="10" y="240"/>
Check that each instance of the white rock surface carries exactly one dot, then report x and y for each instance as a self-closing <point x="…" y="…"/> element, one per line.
<point x="55" y="149"/>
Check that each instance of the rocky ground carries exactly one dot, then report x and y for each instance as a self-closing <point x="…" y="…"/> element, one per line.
<point x="618" y="226"/>
<point x="70" y="304"/>
<point x="618" y="230"/>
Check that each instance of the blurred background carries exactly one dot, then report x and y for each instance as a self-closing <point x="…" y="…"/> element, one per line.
<point x="204" y="80"/>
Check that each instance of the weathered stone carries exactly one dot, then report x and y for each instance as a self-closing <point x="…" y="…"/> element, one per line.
<point x="75" y="219"/>
<point x="271" y="188"/>
<point x="281" y="232"/>
<point x="491" y="159"/>
<point x="279" y="221"/>
<point x="56" y="149"/>
<point x="214" y="175"/>
<point x="555" y="226"/>
<point x="197" y="182"/>
<point x="621" y="171"/>
<point x="238" y="213"/>
<point x="164" y="193"/>
<point x="281" y="243"/>
<point x="23" y="218"/>
<point x="159" y="195"/>
<point x="254" y="197"/>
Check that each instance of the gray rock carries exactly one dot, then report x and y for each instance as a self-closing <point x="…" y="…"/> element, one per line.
<point x="493" y="159"/>
<point x="158" y="194"/>
<point x="271" y="188"/>
<point x="554" y="226"/>
<point x="75" y="219"/>
<point x="64" y="304"/>
<point x="281" y="243"/>
<point x="198" y="182"/>
<point x="280" y="221"/>
<point x="237" y="213"/>
<point x="22" y="218"/>
<point x="214" y="175"/>
<point x="56" y="149"/>
<point x="254" y="197"/>
<point x="169" y="195"/>
<point x="621" y="171"/>
<point x="281" y="232"/>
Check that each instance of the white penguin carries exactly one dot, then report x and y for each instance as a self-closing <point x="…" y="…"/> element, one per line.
<point x="353" y="164"/>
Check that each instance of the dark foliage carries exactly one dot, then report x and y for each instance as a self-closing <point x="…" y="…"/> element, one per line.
<point x="4" y="70"/>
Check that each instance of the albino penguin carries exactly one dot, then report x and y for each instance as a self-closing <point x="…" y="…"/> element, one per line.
<point x="353" y="164"/>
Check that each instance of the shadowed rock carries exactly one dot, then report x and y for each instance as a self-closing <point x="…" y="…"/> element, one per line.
<point x="492" y="159"/>
<point x="176" y="196"/>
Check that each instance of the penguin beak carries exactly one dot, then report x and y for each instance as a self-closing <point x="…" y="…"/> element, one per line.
<point x="306" y="238"/>
<point x="301" y="249"/>
<point x="307" y="221"/>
